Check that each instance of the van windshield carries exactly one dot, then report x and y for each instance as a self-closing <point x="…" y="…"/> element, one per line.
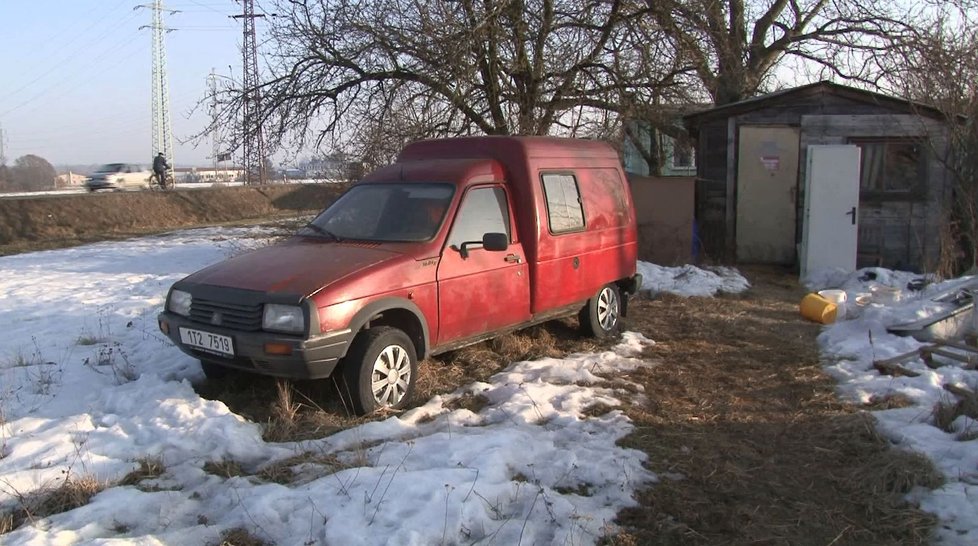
<point x="395" y="212"/>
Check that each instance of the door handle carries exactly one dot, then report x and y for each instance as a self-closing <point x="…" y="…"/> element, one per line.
<point x="853" y="214"/>
<point x="513" y="259"/>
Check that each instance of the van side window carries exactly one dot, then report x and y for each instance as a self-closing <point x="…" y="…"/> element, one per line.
<point x="563" y="203"/>
<point x="484" y="210"/>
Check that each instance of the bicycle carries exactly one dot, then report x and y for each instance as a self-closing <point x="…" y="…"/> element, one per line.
<point x="167" y="182"/>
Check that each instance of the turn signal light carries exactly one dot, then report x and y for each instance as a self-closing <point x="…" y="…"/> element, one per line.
<point x="165" y="327"/>
<point x="281" y="349"/>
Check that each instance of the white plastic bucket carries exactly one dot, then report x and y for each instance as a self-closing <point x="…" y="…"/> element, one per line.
<point x="838" y="297"/>
<point x="884" y="294"/>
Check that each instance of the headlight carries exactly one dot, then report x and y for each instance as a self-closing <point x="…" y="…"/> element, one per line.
<point x="283" y="318"/>
<point x="180" y="302"/>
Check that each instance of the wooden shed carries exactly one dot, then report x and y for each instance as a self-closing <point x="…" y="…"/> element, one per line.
<point x="821" y="175"/>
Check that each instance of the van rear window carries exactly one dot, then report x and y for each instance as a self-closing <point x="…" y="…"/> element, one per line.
<point x="563" y="203"/>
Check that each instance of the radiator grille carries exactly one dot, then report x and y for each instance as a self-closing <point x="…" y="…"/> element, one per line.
<point x="230" y="315"/>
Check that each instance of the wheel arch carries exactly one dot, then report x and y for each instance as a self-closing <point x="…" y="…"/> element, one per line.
<point x="399" y="313"/>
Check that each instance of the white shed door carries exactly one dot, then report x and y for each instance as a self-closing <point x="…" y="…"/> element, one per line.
<point x="830" y="225"/>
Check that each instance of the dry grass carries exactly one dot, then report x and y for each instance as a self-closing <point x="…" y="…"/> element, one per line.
<point x="290" y="411"/>
<point x="224" y="469"/>
<point x="472" y="402"/>
<point x="304" y="410"/>
<point x="70" y="494"/>
<point x="282" y="471"/>
<point x="239" y="536"/>
<point x="149" y="468"/>
<point x="741" y="410"/>
<point x="948" y="410"/>
<point x="889" y="401"/>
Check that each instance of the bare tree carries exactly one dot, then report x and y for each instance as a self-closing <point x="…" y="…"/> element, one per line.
<point x="384" y="71"/>
<point x="733" y="46"/>
<point x="376" y="73"/>
<point x="940" y="68"/>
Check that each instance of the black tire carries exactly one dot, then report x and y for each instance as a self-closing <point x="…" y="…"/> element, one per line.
<point x="601" y="317"/>
<point x="380" y="370"/>
<point x="214" y="371"/>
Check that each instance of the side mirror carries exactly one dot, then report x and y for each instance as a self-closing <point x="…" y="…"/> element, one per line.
<point x="490" y="241"/>
<point x="495" y="241"/>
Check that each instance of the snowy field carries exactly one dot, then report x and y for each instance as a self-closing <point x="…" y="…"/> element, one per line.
<point x="89" y="389"/>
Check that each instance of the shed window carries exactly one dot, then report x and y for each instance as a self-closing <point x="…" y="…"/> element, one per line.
<point x="563" y="203"/>
<point x="891" y="166"/>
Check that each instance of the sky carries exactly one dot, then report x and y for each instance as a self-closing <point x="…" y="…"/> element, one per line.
<point x="95" y="391"/>
<point x="75" y="77"/>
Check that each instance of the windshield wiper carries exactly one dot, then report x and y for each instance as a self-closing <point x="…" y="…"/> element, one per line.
<point x="324" y="231"/>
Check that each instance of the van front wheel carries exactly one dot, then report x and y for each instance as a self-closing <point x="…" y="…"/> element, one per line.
<point x="380" y="370"/>
<point x="601" y="317"/>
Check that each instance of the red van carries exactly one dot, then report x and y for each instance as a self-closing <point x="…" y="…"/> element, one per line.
<point x="458" y="241"/>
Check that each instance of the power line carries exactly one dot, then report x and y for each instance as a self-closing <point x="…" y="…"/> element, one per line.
<point x="75" y="52"/>
<point x="71" y="75"/>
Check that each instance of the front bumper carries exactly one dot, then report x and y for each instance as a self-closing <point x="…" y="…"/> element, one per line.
<point x="312" y="358"/>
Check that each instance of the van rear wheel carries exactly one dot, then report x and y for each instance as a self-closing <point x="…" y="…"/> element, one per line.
<point x="380" y="370"/>
<point x="601" y="317"/>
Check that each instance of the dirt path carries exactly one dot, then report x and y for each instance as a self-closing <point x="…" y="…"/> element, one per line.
<point x="750" y="441"/>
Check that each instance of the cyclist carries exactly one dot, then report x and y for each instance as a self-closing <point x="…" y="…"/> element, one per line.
<point x="160" y="166"/>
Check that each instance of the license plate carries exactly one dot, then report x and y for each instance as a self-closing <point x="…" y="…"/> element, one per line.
<point x="207" y="341"/>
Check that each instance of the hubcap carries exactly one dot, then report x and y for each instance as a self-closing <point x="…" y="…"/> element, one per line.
<point x="607" y="309"/>
<point x="390" y="376"/>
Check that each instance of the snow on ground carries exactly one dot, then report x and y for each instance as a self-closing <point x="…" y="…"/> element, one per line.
<point x="90" y="388"/>
<point x="689" y="280"/>
<point x="851" y="345"/>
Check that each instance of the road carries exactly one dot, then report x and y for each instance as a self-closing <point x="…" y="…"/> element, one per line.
<point x="178" y="186"/>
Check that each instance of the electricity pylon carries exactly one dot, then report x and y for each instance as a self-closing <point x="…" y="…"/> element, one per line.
<point x="254" y="142"/>
<point x="162" y="133"/>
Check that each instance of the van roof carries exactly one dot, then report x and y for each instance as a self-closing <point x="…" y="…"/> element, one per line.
<point x="506" y="148"/>
<point x="439" y="170"/>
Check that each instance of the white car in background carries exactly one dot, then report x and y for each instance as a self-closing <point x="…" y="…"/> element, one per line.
<point x="119" y="176"/>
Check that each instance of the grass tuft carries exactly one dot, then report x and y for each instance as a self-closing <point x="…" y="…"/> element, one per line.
<point x="888" y="401"/>
<point x="87" y="340"/>
<point x="70" y="494"/>
<point x="283" y="471"/>
<point x="149" y="468"/>
<point x="472" y="402"/>
<point x="239" y="536"/>
<point x="224" y="468"/>
<point x="947" y="411"/>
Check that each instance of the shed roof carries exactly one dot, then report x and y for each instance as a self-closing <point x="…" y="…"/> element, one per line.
<point x="818" y="88"/>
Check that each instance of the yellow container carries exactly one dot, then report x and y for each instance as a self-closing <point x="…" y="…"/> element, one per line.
<point x="818" y="309"/>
